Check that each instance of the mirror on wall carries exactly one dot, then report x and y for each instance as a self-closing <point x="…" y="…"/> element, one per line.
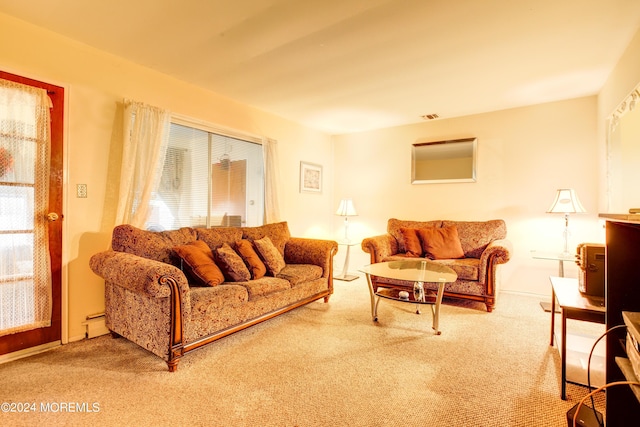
<point x="444" y="161"/>
<point x="623" y="155"/>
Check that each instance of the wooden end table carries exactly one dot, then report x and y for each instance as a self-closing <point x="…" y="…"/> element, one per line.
<point x="573" y="305"/>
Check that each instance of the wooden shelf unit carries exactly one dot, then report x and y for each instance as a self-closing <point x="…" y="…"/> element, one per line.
<point x="622" y="293"/>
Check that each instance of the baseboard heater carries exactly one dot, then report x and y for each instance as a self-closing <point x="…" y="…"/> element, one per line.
<point x="95" y="325"/>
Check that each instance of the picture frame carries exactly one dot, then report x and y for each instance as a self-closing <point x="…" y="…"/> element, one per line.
<point x="310" y="177"/>
<point x="440" y="162"/>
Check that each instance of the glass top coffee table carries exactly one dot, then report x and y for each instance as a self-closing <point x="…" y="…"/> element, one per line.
<point x="417" y="271"/>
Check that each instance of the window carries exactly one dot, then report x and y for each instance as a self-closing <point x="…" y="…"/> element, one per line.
<point x="209" y="179"/>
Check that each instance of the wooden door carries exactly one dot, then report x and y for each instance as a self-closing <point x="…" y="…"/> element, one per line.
<point x="48" y="334"/>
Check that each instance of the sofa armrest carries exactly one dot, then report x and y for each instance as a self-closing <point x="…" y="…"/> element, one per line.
<point x="497" y="252"/>
<point x="299" y="250"/>
<point x="154" y="316"/>
<point x="380" y="247"/>
<point x="137" y="274"/>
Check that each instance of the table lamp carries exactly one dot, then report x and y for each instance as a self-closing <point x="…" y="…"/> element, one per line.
<point x="566" y="202"/>
<point x="346" y="210"/>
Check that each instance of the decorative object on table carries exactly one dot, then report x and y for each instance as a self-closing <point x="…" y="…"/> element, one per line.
<point x="6" y="161"/>
<point x="418" y="291"/>
<point x="310" y="178"/>
<point x="566" y="202"/>
<point x="346" y="209"/>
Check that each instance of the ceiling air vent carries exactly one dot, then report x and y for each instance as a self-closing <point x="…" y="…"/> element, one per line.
<point x="430" y="116"/>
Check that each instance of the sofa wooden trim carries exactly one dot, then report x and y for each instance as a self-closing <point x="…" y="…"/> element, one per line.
<point x="176" y="348"/>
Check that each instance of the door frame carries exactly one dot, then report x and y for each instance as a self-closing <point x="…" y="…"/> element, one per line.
<point x="63" y="123"/>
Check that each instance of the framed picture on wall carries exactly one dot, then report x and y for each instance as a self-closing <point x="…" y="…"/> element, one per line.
<point x="310" y="178"/>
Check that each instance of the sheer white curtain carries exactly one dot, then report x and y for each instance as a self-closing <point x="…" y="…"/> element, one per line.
<point x="144" y="147"/>
<point x="271" y="178"/>
<point x="25" y="142"/>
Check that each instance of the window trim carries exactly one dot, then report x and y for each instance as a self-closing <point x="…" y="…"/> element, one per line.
<point x="205" y="126"/>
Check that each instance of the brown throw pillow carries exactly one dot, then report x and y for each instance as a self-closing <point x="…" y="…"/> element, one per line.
<point x="198" y="263"/>
<point x="270" y="255"/>
<point x="251" y="259"/>
<point x="441" y="243"/>
<point x="231" y="264"/>
<point x="411" y="242"/>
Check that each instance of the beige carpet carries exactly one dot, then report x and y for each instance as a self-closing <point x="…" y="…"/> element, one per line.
<point x="320" y="365"/>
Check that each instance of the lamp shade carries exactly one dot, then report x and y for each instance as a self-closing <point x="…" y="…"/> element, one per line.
<point x="566" y="201"/>
<point x="346" y="208"/>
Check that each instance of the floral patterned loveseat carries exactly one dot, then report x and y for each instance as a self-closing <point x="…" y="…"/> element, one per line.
<point x="155" y="294"/>
<point x="482" y="248"/>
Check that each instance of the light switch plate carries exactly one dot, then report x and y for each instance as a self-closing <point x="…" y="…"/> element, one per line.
<point x="81" y="190"/>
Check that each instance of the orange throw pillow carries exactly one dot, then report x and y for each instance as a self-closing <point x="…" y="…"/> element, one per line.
<point x="231" y="264"/>
<point x="251" y="259"/>
<point x="270" y="255"/>
<point x="441" y="243"/>
<point x="412" y="245"/>
<point x="198" y="263"/>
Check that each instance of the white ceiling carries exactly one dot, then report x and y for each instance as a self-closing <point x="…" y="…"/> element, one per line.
<point x="352" y="65"/>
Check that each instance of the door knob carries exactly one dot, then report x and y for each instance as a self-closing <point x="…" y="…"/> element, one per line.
<point x="52" y="216"/>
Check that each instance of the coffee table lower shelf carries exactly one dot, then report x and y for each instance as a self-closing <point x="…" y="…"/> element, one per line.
<point x="431" y="298"/>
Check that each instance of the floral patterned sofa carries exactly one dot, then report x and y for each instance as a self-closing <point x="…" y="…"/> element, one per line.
<point x="474" y="250"/>
<point x="174" y="291"/>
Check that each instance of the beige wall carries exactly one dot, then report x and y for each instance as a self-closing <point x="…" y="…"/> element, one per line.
<point x="524" y="155"/>
<point x="95" y="84"/>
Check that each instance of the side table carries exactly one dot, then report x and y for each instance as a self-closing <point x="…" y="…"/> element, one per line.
<point x="573" y="305"/>
<point x="345" y="276"/>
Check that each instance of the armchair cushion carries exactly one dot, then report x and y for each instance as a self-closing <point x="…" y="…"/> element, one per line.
<point x="199" y="264"/>
<point x="441" y="243"/>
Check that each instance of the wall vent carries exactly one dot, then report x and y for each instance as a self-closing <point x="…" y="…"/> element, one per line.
<point x="430" y="116"/>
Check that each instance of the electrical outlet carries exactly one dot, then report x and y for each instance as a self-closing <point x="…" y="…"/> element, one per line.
<point x="81" y="190"/>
